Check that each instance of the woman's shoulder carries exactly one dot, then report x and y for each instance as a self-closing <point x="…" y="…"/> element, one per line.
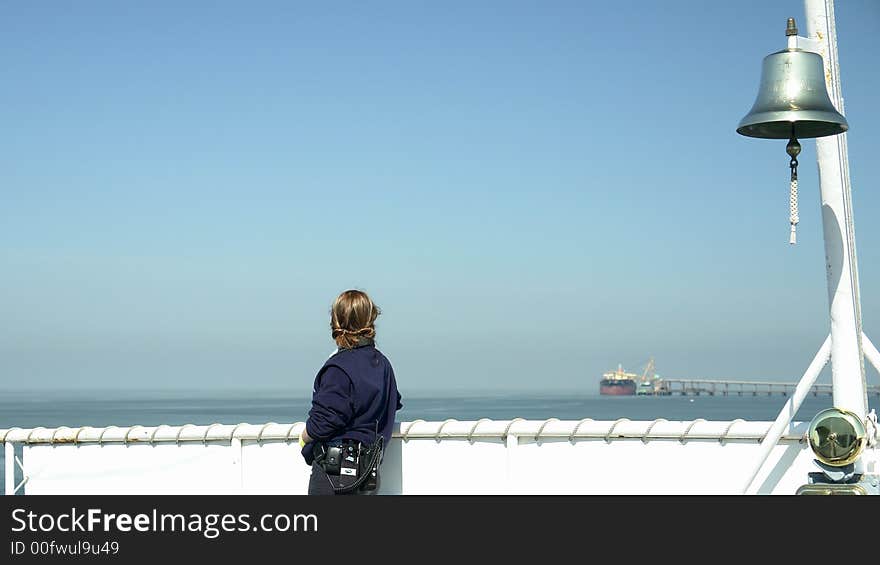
<point x="383" y="357"/>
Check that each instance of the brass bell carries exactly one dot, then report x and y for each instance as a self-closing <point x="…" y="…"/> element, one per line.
<point x="792" y="101"/>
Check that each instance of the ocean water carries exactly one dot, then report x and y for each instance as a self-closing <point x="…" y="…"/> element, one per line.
<point x="50" y="409"/>
<point x="28" y="409"/>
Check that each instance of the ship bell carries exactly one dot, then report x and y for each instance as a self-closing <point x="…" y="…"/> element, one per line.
<point x="792" y="102"/>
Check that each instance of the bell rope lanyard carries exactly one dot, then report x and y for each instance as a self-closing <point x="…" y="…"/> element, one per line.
<point x="793" y="149"/>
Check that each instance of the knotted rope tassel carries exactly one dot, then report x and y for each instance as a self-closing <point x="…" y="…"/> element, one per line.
<point x="793" y="149"/>
<point x="793" y="209"/>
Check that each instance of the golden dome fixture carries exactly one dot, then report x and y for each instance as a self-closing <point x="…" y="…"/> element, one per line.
<point x="837" y="437"/>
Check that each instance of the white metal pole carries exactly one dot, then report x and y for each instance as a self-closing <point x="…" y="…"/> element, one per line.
<point x="871" y="352"/>
<point x="9" y="464"/>
<point x="849" y="388"/>
<point x="789" y="410"/>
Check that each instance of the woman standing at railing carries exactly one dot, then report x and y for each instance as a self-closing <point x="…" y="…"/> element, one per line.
<point x="354" y="403"/>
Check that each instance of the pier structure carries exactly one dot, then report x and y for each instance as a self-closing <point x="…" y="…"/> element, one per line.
<point x="696" y="387"/>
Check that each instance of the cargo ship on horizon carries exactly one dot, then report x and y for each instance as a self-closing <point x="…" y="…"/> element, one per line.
<point x="621" y="383"/>
<point x="618" y="383"/>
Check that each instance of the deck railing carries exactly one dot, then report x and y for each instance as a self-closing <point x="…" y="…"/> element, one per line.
<point x="449" y="457"/>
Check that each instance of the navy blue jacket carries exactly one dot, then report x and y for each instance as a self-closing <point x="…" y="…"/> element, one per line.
<point x="355" y="397"/>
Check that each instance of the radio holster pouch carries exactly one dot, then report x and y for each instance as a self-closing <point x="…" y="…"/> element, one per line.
<point x="351" y="466"/>
<point x="332" y="460"/>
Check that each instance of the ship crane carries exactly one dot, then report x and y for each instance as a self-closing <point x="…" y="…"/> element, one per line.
<point x="647" y="381"/>
<point x="648" y="374"/>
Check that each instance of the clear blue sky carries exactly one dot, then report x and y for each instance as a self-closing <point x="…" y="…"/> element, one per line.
<point x="533" y="192"/>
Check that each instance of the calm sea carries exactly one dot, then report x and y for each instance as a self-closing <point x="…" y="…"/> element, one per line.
<point x="150" y="408"/>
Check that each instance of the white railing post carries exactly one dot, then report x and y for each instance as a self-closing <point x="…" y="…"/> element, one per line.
<point x="511" y="442"/>
<point x="238" y="459"/>
<point x="871" y="352"/>
<point x="9" y="452"/>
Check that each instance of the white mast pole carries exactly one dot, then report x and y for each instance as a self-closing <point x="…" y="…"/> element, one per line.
<point x="847" y="361"/>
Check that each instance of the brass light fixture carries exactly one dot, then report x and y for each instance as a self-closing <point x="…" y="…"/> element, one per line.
<point x="837" y="437"/>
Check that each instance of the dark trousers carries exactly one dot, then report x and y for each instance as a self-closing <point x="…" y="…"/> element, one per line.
<point x="319" y="484"/>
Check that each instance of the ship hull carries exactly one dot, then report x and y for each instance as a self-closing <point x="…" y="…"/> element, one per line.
<point x="617" y="388"/>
